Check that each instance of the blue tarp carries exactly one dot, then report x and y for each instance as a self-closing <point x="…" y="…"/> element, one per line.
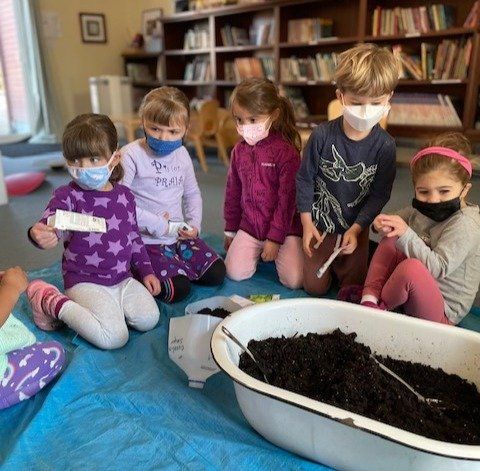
<point x="132" y="408"/>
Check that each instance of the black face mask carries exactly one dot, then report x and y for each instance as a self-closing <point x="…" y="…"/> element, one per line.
<point x="437" y="211"/>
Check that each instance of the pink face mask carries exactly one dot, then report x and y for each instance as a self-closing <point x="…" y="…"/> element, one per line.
<point x="253" y="133"/>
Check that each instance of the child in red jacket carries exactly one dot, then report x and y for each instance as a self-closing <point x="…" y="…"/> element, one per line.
<point x="261" y="220"/>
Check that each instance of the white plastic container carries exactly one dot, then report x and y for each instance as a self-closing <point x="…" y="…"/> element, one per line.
<point x="330" y="435"/>
<point x="111" y="95"/>
<point x="212" y="303"/>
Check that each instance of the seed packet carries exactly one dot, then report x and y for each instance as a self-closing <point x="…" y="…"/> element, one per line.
<point x="263" y="298"/>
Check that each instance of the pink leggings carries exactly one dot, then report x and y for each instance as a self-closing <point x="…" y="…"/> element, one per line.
<point x="398" y="280"/>
<point x="244" y="253"/>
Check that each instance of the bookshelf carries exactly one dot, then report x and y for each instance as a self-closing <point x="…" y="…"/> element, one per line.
<point x="352" y="23"/>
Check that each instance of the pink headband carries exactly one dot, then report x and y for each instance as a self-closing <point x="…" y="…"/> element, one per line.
<point x="445" y="151"/>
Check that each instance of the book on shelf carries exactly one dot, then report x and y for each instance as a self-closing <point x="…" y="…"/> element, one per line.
<point x="139" y="72"/>
<point x="423" y="109"/>
<point x="309" y="29"/>
<point x="473" y="17"/>
<point x="262" y="30"/>
<point x="198" y="70"/>
<point x="448" y="60"/>
<point x="295" y="95"/>
<point x="260" y="33"/>
<point x="318" y="68"/>
<point x="247" y="67"/>
<point x="233" y="36"/>
<point x="229" y="71"/>
<point x="413" y="20"/>
<point x="197" y="37"/>
<point x="198" y="5"/>
<point x="160" y="72"/>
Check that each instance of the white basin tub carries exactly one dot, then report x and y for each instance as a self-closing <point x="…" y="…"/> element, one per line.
<point x="328" y="434"/>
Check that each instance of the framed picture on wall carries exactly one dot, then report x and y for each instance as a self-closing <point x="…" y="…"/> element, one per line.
<point x="92" y="26"/>
<point x="152" y="29"/>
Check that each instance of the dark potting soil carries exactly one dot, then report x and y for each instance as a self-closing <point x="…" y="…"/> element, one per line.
<point x="335" y="369"/>
<point x="217" y="312"/>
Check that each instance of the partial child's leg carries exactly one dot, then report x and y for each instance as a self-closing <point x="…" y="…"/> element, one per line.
<point x="352" y="269"/>
<point x="46" y="301"/>
<point x="311" y="283"/>
<point x="289" y="263"/>
<point x="95" y="313"/>
<point x="92" y="310"/>
<point x="242" y="256"/>
<point x="413" y="286"/>
<point x="384" y="261"/>
<point x="214" y="275"/>
<point x="29" y="370"/>
<point x="139" y="307"/>
<point x="169" y="269"/>
<point x="201" y="262"/>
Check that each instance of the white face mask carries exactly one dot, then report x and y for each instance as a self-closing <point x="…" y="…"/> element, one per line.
<point x="364" y="117"/>
<point x="253" y="133"/>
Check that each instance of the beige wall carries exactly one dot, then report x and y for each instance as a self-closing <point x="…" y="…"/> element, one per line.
<point x="70" y="62"/>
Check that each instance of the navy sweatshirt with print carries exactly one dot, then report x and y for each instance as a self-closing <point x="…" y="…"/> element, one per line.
<point x="341" y="181"/>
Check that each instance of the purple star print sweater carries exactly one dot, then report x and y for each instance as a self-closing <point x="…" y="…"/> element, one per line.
<point x="92" y="257"/>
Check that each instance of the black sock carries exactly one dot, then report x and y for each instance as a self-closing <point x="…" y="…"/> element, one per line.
<point x="174" y="289"/>
<point x="215" y="275"/>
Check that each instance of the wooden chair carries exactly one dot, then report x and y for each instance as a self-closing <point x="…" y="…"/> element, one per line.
<point x="335" y="109"/>
<point x="204" y="130"/>
<point x="227" y="129"/>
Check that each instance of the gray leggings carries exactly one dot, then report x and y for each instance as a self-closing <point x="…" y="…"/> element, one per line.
<point x="101" y="314"/>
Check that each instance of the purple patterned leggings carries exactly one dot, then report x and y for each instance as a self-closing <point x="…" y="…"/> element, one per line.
<point x="29" y="370"/>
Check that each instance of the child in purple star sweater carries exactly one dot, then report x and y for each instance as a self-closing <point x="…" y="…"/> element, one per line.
<point x="102" y="297"/>
<point x="160" y="173"/>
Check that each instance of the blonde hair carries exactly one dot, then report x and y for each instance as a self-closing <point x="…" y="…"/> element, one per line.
<point x="367" y="70"/>
<point x="165" y="106"/>
<point x="261" y="96"/>
<point x="452" y="140"/>
<point x="91" y="135"/>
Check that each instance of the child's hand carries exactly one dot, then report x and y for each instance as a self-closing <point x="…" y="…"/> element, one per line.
<point x="398" y="225"/>
<point x="44" y="236"/>
<point x="227" y="242"/>
<point x="310" y="232"/>
<point x="379" y="225"/>
<point x="193" y="234"/>
<point x="270" y="251"/>
<point x="166" y="216"/>
<point x="350" y="239"/>
<point x="15" y="279"/>
<point x="152" y="283"/>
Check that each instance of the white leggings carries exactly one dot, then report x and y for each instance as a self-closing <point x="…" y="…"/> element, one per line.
<point x="100" y="314"/>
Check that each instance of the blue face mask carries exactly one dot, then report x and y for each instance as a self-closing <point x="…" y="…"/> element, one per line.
<point x="91" y="178"/>
<point x="161" y="147"/>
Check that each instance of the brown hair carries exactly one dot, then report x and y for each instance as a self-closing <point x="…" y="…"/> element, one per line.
<point x="452" y="140"/>
<point x="261" y="96"/>
<point x="165" y="106"/>
<point x="91" y="135"/>
<point x="367" y="70"/>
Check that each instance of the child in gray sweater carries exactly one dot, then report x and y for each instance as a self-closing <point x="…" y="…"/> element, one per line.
<point x="429" y="259"/>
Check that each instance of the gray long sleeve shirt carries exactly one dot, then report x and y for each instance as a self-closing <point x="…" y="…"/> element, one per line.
<point x="451" y="251"/>
<point x="342" y="181"/>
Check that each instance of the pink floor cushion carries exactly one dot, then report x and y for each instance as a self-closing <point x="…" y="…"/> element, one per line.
<point x="20" y="184"/>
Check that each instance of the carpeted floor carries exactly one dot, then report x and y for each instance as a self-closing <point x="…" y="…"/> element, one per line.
<point x="23" y="149"/>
